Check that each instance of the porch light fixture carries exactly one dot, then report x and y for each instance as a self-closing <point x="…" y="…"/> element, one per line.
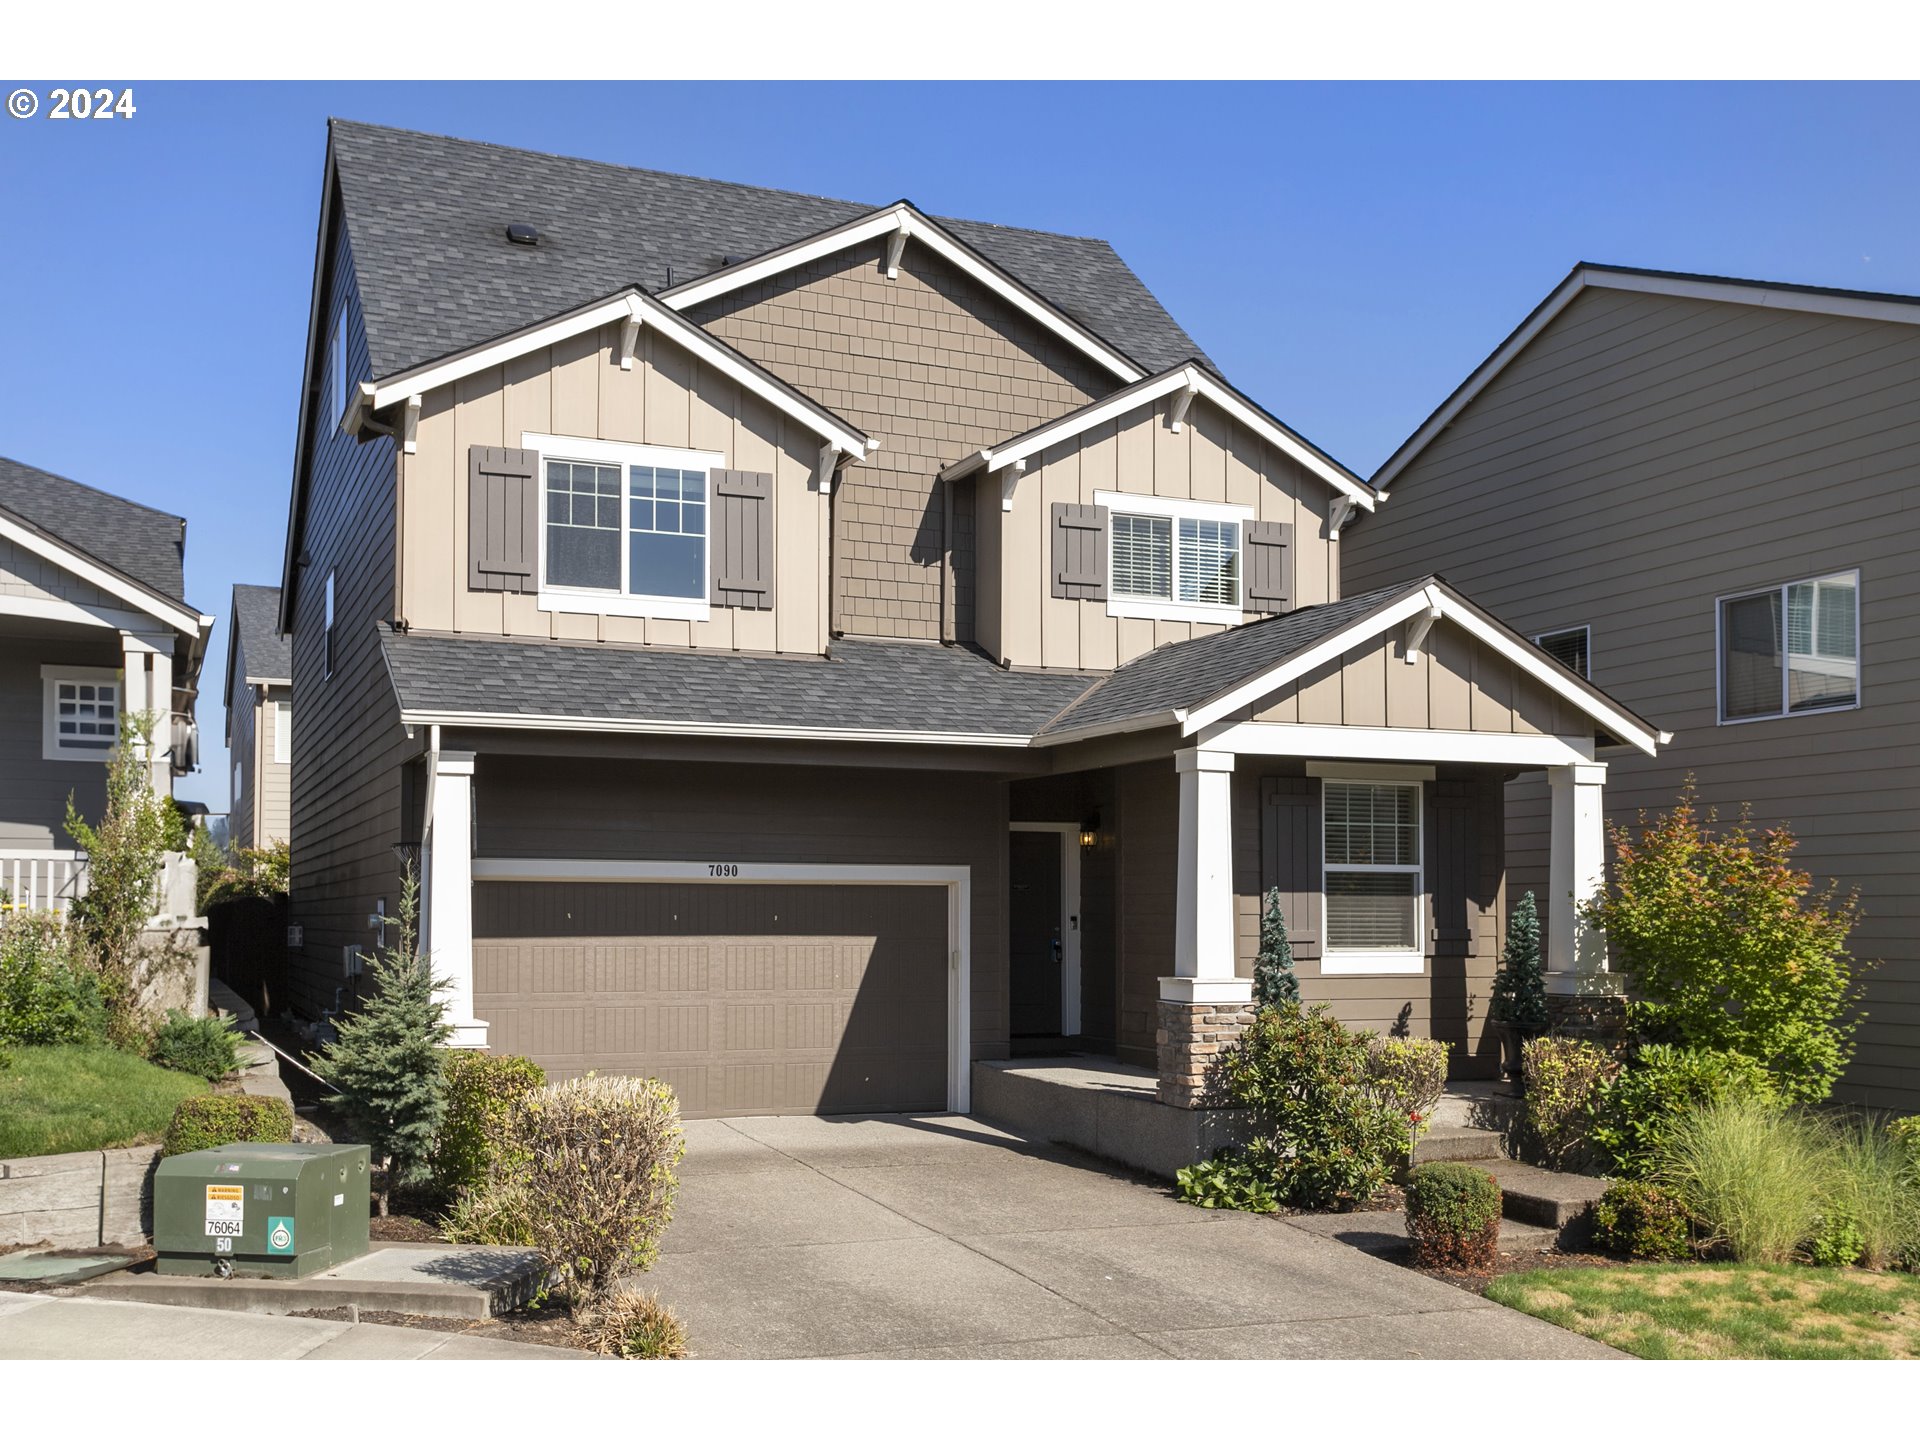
<point x="1089" y="830"/>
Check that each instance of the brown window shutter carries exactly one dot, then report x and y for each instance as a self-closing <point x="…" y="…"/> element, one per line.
<point x="1290" y="856"/>
<point x="1268" y="557"/>
<point x="1079" y="551"/>
<point x="503" y="519"/>
<point x="740" y="541"/>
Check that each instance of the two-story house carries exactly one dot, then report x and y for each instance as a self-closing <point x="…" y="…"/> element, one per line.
<point x="259" y="702"/>
<point x="812" y="649"/>
<point x="1699" y="493"/>
<point x="94" y="627"/>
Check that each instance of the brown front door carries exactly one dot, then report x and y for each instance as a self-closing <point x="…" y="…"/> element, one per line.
<point x="747" y="999"/>
<point x="1033" y="938"/>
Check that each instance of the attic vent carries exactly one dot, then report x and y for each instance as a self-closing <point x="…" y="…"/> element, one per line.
<point x="726" y="260"/>
<point x="523" y="234"/>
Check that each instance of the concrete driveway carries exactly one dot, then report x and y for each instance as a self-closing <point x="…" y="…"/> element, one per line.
<point x="938" y="1237"/>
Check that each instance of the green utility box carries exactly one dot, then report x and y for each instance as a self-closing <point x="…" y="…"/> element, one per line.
<point x="277" y="1212"/>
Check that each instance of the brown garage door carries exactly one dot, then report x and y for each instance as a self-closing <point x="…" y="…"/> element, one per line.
<point x="747" y="999"/>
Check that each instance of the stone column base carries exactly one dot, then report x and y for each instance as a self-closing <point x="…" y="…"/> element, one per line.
<point x="1190" y="1040"/>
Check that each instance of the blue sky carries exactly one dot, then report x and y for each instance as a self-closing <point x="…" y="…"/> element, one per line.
<point x="1346" y="253"/>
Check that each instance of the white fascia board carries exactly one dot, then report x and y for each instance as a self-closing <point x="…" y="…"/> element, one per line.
<point x="890" y="221"/>
<point x="189" y="622"/>
<point x="1255" y="421"/>
<point x="1068" y="735"/>
<point x="478" y="720"/>
<point x="69" y="612"/>
<point x="1312" y="658"/>
<point x="1382" y="745"/>
<point x="1121" y="403"/>
<point x="625" y="307"/>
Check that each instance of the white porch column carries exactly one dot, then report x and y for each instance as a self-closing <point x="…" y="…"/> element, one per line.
<point x="133" y="687"/>
<point x="1203" y="910"/>
<point x="160" y="701"/>
<point x="1576" y="953"/>
<point x="448" y="883"/>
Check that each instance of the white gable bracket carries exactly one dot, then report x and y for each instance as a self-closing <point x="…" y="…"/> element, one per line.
<point x="1417" y="629"/>
<point x="897" y="243"/>
<point x="630" y="336"/>
<point x="825" y="467"/>
<point x="1010" y="477"/>
<point x="410" y="426"/>
<point x="1183" y="401"/>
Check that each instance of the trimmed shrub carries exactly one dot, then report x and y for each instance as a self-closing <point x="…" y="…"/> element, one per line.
<point x="1876" y="1191"/>
<point x="1327" y="1133"/>
<point x="1642" y="1222"/>
<point x="1758" y="1176"/>
<point x="588" y="1180"/>
<point x="1453" y="1217"/>
<point x="481" y="1090"/>
<point x="1411" y="1075"/>
<point x="48" y="995"/>
<point x="208" y="1047"/>
<point x="1660" y="1086"/>
<point x="635" y="1326"/>
<point x="1229" y="1181"/>
<point x="1561" y="1079"/>
<point x="201" y="1122"/>
<point x="1836" y="1241"/>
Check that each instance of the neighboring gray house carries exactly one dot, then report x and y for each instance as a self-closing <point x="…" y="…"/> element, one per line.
<point x="94" y="625"/>
<point x="816" y="651"/>
<point x="259" y="701"/>
<point x="1701" y="493"/>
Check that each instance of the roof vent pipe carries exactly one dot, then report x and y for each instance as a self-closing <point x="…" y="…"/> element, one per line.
<point x="521" y="234"/>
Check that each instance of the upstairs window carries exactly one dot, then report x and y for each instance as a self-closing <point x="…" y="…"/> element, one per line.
<point x="1372" y="882"/>
<point x="1791" y="649"/>
<point x="1572" y="648"/>
<point x="81" y="718"/>
<point x="1171" y="559"/>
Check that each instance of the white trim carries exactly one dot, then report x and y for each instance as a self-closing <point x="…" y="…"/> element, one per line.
<point x="69" y="612"/>
<point x="282" y="732"/>
<point x="1071" y="914"/>
<point x="627" y="306"/>
<point x="1786" y="664"/>
<point x="1340" y="770"/>
<point x="625" y="725"/>
<point x="1372" y="742"/>
<point x="1554" y="634"/>
<point x="1378" y="962"/>
<point x="1141" y="607"/>
<point x="896" y="219"/>
<point x="1203" y="910"/>
<point x="957" y="878"/>
<point x="180" y="617"/>
<point x="327" y="618"/>
<point x="51" y="678"/>
<point x="1171" y="509"/>
<point x="1584" y="277"/>
<point x="620" y="454"/>
<point x="1190" y="380"/>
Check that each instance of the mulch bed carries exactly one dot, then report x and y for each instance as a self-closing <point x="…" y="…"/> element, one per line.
<point x="1516" y="1264"/>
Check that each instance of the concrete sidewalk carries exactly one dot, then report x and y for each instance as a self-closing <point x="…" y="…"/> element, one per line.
<point x="46" y="1327"/>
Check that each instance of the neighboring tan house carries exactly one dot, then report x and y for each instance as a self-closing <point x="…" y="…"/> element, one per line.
<point x="259" y="700"/>
<point x="94" y="625"/>
<point x="816" y="651"/>
<point x="1700" y="492"/>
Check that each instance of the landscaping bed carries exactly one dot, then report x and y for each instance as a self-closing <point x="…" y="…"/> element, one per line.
<point x="1725" y="1312"/>
<point x="55" y="1099"/>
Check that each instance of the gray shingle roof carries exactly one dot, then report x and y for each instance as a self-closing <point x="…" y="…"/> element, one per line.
<point x="866" y="684"/>
<point x="426" y="217"/>
<point x="142" y="543"/>
<point x="256" y="633"/>
<point x="1180" y="676"/>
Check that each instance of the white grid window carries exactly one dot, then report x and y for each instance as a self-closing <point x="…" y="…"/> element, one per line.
<point x="1173" y="559"/>
<point x="82" y="715"/>
<point x="1791" y="649"/>
<point x="1371" y="864"/>
<point x="1142" y="549"/>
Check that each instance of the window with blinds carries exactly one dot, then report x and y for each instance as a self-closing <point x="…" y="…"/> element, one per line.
<point x="1791" y="649"/>
<point x="1142" y="550"/>
<point x="1372" y="866"/>
<point x="1190" y="560"/>
<point x="1570" y="648"/>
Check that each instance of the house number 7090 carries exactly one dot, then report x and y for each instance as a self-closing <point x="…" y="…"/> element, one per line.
<point x="728" y="872"/>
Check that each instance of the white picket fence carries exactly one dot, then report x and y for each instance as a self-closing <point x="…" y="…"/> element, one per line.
<point x="54" y="879"/>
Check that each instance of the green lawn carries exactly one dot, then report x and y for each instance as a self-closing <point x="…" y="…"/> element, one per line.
<point x="56" y="1098"/>
<point x="1727" y="1312"/>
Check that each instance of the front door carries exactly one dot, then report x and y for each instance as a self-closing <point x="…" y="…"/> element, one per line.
<point x="1034" y="939"/>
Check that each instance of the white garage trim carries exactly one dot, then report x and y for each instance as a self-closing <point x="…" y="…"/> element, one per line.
<point x="957" y="878"/>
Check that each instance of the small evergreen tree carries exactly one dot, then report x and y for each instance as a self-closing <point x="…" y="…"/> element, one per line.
<point x="1274" y="982"/>
<point x="388" y="1061"/>
<point x="1520" y="985"/>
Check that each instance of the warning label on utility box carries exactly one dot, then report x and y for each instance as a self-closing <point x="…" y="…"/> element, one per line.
<point x="226" y="1209"/>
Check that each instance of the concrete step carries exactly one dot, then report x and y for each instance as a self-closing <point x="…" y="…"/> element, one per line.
<point x="1457" y="1142"/>
<point x="1546" y="1197"/>
<point x="1484" y="1104"/>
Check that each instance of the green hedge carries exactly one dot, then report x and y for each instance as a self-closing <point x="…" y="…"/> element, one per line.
<point x="481" y="1091"/>
<point x="1453" y="1217"/>
<point x="202" y="1122"/>
<point x="1643" y="1222"/>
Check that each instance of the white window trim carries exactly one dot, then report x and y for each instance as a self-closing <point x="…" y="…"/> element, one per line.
<point x="1134" y="607"/>
<point x="1786" y="669"/>
<point x="326" y="630"/>
<point x="1378" y="962"/>
<point x="282" y="732"/>
<point x="1586" y="630"/>
<point x="50" y="678"/>
<point x="574" y="600"/>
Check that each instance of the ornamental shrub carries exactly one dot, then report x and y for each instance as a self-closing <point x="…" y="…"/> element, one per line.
<point x="1641" y="1221"/>
<point x="48" y="994"/>
<point x="1876" y="1189"/>
<point x="1453" y="1217"/>
<point x="1757" y="1175"/>
<point x="1229" y="1181"/>
<point x="632" y="1325"/>
<point x="1520" y="984"/>
<point x="1274" y="982"/>
<point x="1562" y="1078"/>
<point x="201" y="1122"/>
<point x="208" y="1047"/>
<point x="1659" y="1086"/>
<point x="1726" y="947"/>
<point x="1905" y="1132"/>
<point x="1412" y="1075"/>
<point x="1836" y="1240"/>
<point x="481" y="1089"/>
<point x="1327" y="1132"/>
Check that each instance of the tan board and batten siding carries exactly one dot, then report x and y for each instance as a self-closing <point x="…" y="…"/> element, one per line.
<point x="1645" y="455"/>
<point x="1211" y="458"/>
<point x="576" y="387"/>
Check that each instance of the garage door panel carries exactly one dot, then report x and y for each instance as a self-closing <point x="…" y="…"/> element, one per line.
<point x="747" y="999"/>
